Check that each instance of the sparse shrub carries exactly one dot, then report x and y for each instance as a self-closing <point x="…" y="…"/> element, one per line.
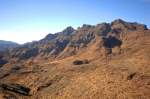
<point x="80" y="62"/>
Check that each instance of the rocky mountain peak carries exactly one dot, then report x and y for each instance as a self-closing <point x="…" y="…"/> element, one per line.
<point x="118" y="21"/>
<point x="69" y="30"/>
<point x="127" y="26"/>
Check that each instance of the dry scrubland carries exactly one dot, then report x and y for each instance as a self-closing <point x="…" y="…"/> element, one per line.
<point x="116" y="67"/>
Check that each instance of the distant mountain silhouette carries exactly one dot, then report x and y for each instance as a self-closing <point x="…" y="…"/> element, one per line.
<point x="4" y="45"/>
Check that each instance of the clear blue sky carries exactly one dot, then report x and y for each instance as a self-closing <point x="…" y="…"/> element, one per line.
<point x="26" y="20"/>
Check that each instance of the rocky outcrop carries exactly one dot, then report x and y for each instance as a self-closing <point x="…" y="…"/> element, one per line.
<point x="16" y="88"/>
<point x="127" y="26"/>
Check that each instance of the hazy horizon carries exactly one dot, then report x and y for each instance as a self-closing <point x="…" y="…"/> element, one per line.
<point x="24" y="21"/>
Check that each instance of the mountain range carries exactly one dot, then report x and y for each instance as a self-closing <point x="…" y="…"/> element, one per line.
<point x="5" y="45"/>
<point x="103" y="61"/>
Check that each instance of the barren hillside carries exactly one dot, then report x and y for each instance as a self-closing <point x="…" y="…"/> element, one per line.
<point x="103" y="61"/>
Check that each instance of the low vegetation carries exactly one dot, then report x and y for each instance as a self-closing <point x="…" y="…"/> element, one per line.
<point x="80" y="62"/>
